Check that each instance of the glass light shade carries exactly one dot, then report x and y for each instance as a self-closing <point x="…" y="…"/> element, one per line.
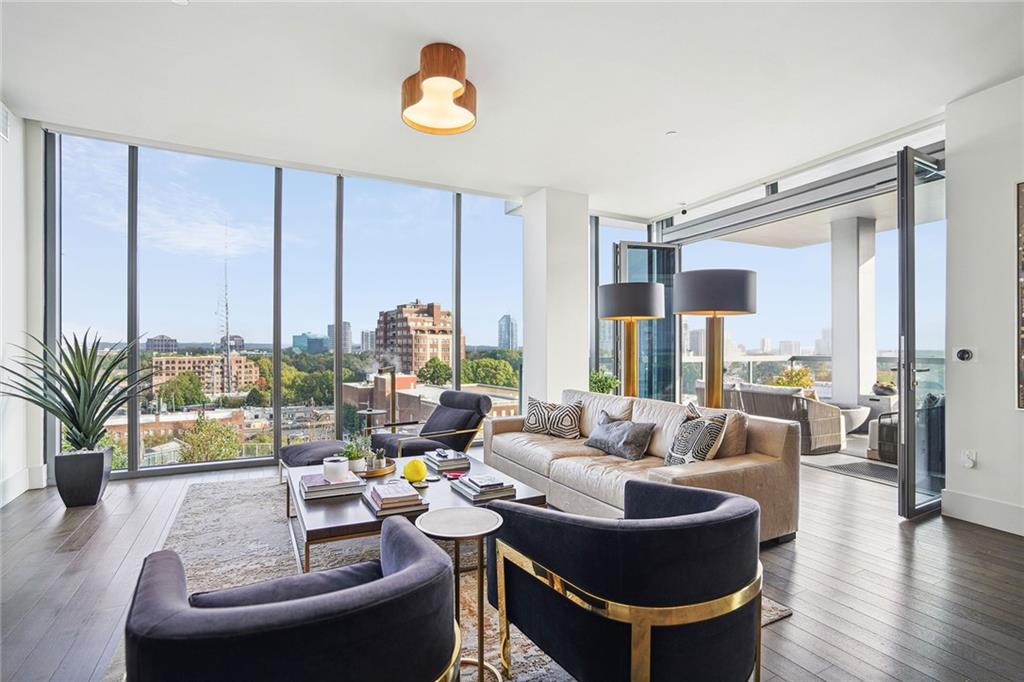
<point x="437" y="111"/>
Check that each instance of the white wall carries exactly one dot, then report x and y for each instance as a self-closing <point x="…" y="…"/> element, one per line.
<point x="556" y="293"/>
<point x="984" y="162"/>
<point x="14" y="469"/>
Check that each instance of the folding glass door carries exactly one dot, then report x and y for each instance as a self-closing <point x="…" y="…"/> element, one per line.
<point x="659" y="353"/>
<point x="922" y="384"/>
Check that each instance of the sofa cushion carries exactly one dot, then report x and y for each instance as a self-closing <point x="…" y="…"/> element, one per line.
<point x="602" y="478"/>
<point x="616" y="406"/>
<point x="621" y="437"/>
<point x="731" y="474"/>
<point x="668" y="416"/>
<point x="553" y="418"/>
<point x="536" y="451"/>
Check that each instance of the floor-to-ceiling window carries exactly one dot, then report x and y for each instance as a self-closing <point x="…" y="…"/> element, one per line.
<point x="94" y="254"/>
<point x="492" y="302"/>
<point x="205" y="292"/>
<point x="397" y="292"/>
<point x="309" y="337"/>
<point x="610" y="232"/>
<point x="210" y="261"/>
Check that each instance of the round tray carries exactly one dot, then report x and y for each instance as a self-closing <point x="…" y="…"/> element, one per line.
<point x="374" y="473"/>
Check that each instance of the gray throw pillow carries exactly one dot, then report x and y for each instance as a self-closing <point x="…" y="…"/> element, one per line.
<point x="621" y="437"/>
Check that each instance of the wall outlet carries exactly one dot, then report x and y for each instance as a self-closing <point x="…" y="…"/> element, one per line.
<point x="969" y="458"/>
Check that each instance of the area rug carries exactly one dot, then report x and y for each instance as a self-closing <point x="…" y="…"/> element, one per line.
<point x="235" y="532"/>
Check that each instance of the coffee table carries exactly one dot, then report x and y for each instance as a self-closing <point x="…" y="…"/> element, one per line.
<point x="344" y="518"/>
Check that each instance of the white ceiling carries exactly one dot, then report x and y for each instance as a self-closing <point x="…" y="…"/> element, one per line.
<point x="571" y="96"/>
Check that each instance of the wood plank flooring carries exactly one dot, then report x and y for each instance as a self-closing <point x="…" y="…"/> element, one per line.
<point x="874" y="597"/>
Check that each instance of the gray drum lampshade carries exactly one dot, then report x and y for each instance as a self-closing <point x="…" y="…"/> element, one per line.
<point x="714" y="292"/>
<point x="631" y="301"/>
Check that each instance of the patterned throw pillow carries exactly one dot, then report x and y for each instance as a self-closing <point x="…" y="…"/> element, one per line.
<point x="692" y="412"/>
<point x="697" y="440"/>
<point x="553" y="419"/>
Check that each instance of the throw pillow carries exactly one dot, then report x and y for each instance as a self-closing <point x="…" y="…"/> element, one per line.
<point x="553" y="419"/>
<point x="697" y="440"/>
<point x="691" y="411"/>
<point x="621" y="437"/>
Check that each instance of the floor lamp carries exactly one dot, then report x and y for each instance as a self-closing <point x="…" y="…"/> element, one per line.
<point x="714" y="293"/>
<point x="631" y="302"/>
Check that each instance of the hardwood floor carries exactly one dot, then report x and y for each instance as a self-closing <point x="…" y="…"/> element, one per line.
<point x="874" y="597"/>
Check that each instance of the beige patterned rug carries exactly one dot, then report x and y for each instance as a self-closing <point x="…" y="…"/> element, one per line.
<point x="235" y="532"/>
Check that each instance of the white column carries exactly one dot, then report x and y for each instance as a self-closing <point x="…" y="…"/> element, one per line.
<point x="853" y="308"/>
<point x="556" y="296"/>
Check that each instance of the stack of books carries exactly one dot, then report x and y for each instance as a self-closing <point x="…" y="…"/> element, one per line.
<point x="483" y="487"/>
<point x="394" y="497"/>
<point x="315" y="486"/>
<point x="440" y="461"/>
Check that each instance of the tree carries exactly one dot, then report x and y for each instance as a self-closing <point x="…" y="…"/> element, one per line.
<point x="184" y="389"/>
<point x="490" y="372"/>
<point x="794" y="376"/>
<point x="435" y="372"/>
<point x="351" y="422"/>
<point x="315" y="388"/>
<point x="603" y="382"/>
<point x="257" y="398"/>
<point x="209" y="440"/>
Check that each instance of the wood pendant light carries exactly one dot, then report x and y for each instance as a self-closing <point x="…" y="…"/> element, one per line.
<point x="438" y="99"/>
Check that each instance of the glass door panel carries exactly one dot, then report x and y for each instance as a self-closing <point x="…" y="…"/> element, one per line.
<point x="922" y="375"/>
<point x="659" y="370"/>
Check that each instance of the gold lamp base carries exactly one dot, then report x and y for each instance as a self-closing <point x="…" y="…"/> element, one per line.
<point x="631" y="359"/>
<point x="714" y="360"/>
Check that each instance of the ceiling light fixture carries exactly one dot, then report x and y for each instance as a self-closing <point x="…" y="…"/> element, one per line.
<point x="438" y="99"/>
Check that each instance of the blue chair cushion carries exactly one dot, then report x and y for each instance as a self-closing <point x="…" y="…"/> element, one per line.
<point x="451" y="419"/>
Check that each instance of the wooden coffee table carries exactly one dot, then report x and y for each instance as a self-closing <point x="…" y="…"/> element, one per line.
<point x="344" y="518"/>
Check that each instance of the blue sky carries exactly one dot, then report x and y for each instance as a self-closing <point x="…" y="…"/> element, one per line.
<point x="196" y="212"/>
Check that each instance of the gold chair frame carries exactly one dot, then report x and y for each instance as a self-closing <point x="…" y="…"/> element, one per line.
<point x="451" y="672"/>
<point x="640" y="618"/>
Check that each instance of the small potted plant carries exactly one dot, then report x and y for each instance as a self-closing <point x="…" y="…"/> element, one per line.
<point x="356" y="451"/>
<point x="82" y="386"/>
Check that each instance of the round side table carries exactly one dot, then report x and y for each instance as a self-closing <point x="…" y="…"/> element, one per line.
<point x="466" y="523"/>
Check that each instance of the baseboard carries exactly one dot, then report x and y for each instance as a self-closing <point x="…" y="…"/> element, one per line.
<point x="13" y="485"/>
<point x="983" y="511"/>
<point x="37" y="476"/>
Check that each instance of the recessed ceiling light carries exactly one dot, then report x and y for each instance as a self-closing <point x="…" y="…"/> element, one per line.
<point x="671" y="132"/>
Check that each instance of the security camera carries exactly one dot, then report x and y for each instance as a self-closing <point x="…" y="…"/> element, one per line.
<point x="682" y="212"/>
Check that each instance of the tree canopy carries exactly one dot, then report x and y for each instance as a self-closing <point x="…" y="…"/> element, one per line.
<point x="435" y="372"/>
<point x="489" y="371"/>
<point x="184" y="389"/>
<point x="210" y="440"/>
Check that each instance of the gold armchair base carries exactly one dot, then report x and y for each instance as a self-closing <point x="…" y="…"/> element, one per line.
<point x="451" y="672"/>
<point x="640" y="618"/>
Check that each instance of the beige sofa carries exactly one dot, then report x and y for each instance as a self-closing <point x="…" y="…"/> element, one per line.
<point x="759" y="457"/>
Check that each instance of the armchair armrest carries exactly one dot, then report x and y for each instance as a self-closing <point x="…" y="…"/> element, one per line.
<point x="290" y="587"/>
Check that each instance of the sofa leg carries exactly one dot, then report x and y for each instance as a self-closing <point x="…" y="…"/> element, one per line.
<point x="783" y="539"/>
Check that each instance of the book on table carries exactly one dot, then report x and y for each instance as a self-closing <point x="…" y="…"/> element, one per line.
<point x="315" y="486"/>
<point x="442" y="460"/>
<point x="394" y="497"/>
<point x="492" y="491"/>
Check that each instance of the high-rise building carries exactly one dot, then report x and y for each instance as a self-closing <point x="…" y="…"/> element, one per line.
<point x="823" y="344"/>
<point x="368" y="340"/>
<point x="331" y="335"/>
<point x="508" y="332"/>
<point x="237" y="343"/>
<point x="415" y="332"/>
<point x="766" y="346"/>
<point x="346" y="338"/>
<point x="161" y="344"/>
<point x="210" y="369"/>
<point x="789" y="348"/>
<point x="697" y="346"/>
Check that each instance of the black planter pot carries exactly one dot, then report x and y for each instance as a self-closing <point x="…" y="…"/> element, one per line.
<point x="82" y="476"/>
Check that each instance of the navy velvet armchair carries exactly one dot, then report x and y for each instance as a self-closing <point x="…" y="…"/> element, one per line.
<point x="343" y="623"/>
<point x="453" y="424"/>
<point x="672" y="591"/>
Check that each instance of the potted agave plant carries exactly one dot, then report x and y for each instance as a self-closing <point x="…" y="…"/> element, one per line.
<point x="82" y="386"/>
